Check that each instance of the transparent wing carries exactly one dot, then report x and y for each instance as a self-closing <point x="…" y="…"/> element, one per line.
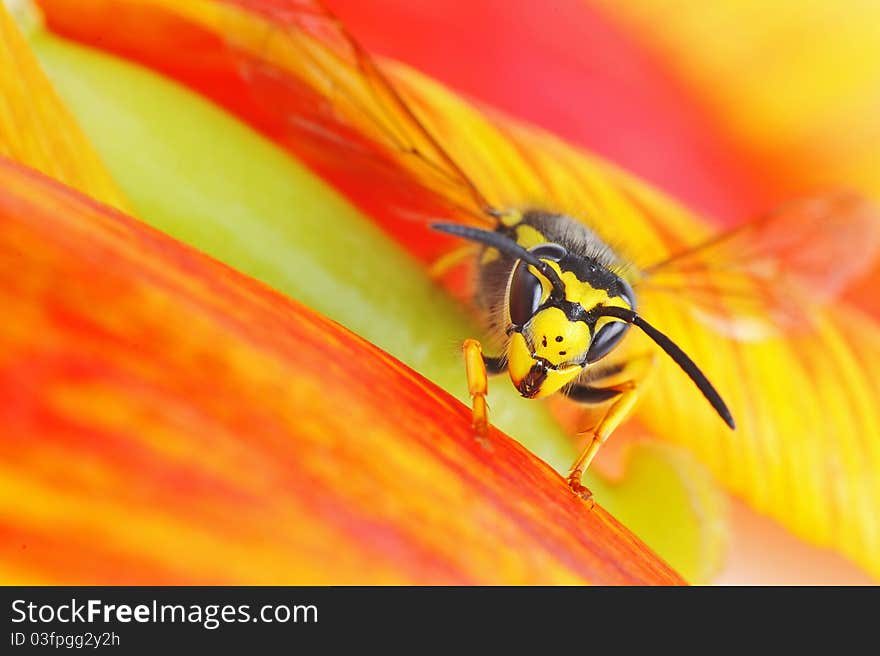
<point x="329" y="92"/>
<point x="771" y="272"/>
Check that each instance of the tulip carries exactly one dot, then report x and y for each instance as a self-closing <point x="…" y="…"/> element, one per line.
<point x="821" y="483"/>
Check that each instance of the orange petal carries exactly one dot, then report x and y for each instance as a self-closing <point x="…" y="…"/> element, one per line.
<point x="35" y="127"/>
<point x="169" y="420"/>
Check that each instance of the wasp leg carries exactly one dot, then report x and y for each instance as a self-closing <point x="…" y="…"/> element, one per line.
<point x="478" y="367"/>
<point x="624" y="397"/>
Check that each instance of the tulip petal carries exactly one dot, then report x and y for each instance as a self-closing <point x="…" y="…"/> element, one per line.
<point x="169" y="420"/>
<point x="254" y="209"/>
<point x="35" y="127"/>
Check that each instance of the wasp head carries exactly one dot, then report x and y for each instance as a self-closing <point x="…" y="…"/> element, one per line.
<point x="554" y="330"/>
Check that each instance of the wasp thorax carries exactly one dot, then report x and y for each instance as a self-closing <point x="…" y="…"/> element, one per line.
<point x="557" y="339"/>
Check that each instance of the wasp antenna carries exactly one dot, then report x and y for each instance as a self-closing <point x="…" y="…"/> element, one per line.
<point x="680" y="357"/>
<point x="507" y="246"/>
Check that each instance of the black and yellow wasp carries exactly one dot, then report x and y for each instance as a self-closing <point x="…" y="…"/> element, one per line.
<point x="563" y="309"/>
<point x="557" y="297"/>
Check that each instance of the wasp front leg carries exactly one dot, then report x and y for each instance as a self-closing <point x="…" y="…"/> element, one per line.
<point x="623" y="397"/>
<point x="478" y="367"/>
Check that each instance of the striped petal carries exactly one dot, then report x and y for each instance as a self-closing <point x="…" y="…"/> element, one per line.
<point x="169" y="420"/>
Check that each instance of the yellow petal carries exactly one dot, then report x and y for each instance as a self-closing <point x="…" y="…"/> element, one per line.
<point x="35" y="127"/>
<point x="795" y="83"/>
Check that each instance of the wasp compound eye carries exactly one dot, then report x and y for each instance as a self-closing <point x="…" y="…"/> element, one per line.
<point x="607" y="337"/>
<point x="525" y="288"/>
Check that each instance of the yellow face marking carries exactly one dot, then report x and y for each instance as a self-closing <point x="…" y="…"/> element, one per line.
<point x="555" y="338"/>
<point x="520" y="362"/>
<point x="519" y="358"/>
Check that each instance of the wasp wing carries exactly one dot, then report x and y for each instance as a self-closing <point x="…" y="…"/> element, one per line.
<point x="770" y="273"/>
<point x="329" y="93"/>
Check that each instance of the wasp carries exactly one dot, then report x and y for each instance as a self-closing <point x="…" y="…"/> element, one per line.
<point x="563" y="309"/>
<point x="556" y="296"/>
